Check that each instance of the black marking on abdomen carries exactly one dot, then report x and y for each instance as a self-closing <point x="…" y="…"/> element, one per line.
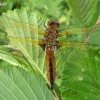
<point x="51" y="74"/>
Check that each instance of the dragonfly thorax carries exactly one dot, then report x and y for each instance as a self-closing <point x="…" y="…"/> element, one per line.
<point x="51" y="37"/>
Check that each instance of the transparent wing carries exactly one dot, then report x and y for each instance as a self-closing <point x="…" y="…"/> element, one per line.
<point x="90" y="34"/>
<point x="22" y="27"/>
<point x="77" y="44"/>
<point x="79" y="30"/>
<point x="23" y="40"/>
<point x="28" y="26"/>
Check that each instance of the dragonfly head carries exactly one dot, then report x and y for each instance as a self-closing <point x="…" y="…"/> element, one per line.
<point x="53" y="23"/>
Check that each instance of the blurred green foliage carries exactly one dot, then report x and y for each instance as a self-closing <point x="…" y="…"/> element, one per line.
<point x="59" y="10"/>
<point x="55" y="9"/>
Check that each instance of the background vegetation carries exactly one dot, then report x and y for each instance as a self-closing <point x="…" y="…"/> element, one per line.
<point x="23" y="73"/>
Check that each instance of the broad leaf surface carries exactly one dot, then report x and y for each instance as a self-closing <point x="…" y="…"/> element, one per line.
<point x="17" y="84"/>
<point x="81" y="75"/>
<point x="83" y="10"/>
<point x="12" y="21"/>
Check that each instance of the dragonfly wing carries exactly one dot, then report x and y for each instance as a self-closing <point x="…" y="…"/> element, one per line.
<point x="77" y="44"/>
<point x="22" y="29"/>
<point x="71" y="31"/>
<point x="32" y="28"/>
<point x="23" y="40"/>
<point x="30" y="48"/>
<point x="79" y="30"/>
<point x="90" y="34"/>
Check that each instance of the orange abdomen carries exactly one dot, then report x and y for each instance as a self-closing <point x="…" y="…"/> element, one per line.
<point x="50" y="66"/>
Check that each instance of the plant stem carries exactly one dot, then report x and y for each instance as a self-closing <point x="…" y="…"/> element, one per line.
<point x="55" y="93"/>
<point x="92" y="31"/>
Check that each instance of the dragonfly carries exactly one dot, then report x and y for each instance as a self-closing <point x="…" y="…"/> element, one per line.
<point x="49" y="40"/>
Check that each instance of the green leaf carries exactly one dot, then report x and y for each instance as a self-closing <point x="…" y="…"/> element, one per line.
<point x="83" y="10"/>
<point x="24" y="25"/>
<point x="6" y="57"/>
<point x="17" y="84"/>
<point x="81" y="75"/>
<point x="13" y="60"/>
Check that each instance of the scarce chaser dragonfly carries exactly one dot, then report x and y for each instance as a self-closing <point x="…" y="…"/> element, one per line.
<point x="49" y="41"/>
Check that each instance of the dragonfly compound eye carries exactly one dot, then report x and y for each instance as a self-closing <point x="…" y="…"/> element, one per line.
<point x="53" y="23"/>
<point x="50" y="23"/>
